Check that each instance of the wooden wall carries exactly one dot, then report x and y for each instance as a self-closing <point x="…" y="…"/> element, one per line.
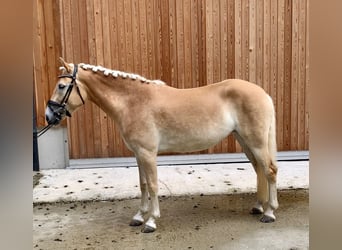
<point x="186" y="43"/>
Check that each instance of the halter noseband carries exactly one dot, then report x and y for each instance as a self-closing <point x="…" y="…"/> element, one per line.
<point x="59" y="109"/>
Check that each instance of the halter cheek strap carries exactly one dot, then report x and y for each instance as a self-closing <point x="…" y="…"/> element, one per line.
<point x="73" y="82"/>
<point x="59" y="108"/>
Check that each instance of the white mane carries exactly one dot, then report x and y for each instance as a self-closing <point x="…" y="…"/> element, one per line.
<point x="116" y="73"/>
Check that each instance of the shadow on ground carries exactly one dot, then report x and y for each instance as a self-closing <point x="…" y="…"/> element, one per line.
<point x="194" y="222"/>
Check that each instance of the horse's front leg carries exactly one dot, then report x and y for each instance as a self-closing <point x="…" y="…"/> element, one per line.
<point x="147" y="162"/>
<point x="138" y="218"/>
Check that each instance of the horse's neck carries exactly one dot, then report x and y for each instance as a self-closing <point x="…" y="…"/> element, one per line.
<point x="112" y="95"/>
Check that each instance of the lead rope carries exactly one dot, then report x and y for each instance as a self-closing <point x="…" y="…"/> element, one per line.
<point x="42" y="131"/>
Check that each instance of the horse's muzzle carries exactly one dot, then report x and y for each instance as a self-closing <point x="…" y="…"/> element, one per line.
<point x="55" y="113"/>
<point x="53" y="120"/>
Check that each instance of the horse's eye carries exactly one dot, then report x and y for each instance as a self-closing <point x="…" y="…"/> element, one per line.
<point x="61" y="86"/>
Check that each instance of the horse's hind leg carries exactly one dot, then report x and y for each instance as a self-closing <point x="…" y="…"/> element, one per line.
<point x="138" y="218"/>
<point x="262" y="185"/>
<point x="266" y="162"/>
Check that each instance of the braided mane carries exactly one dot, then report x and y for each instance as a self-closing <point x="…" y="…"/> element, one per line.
<point x="116" y="73"/>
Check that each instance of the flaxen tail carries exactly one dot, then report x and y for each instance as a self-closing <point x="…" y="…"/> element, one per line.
<point x="271" y="168"/>
<point x="272" y="141"/>
<point x="272" y="149"/>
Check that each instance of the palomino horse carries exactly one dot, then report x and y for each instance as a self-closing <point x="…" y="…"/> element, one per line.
<point x="153" y="117"/>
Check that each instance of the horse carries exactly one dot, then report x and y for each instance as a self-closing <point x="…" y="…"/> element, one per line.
<point x="154" y="118"/>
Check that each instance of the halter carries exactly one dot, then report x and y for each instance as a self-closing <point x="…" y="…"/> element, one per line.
<point x="59" y="109"/>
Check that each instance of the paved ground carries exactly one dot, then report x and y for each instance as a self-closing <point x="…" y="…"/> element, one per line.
<point x="206" y="208"/>
<point x="192" y="222"/>
<point x="122" y="183"/>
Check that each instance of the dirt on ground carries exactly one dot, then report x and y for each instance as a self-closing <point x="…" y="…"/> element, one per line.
<point x="192" y="222"/>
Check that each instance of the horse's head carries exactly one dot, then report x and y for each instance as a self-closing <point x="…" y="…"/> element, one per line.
<point x="66" y="97"/>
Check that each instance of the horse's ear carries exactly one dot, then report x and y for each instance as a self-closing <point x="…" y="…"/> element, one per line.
<point x="65" y="65"/>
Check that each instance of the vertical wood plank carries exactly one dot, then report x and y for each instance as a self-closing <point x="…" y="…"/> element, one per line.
<point x="194" y="43"/>
<point x="245" y="40"/>
<point x="294" y="76"/>
<point x="223" y="39"/>
<point x="39" y="61"/>
<point x="135" y="37"/>
<point x="165" y="42"/>
<point x="260" y="42"/>
<point x="173" y="42"/>
<point x="128" y="38"/>
<point x="113" y="33"/>
<point x="306" y="135"/>
<point x="202" y="57"/>
<point x="252" y="41"/>
<point x="301" y="73"/>
<point x="107" y="60"/>
<point x="238" y="45"/>
<point x="216" y="41"/>
<point x="143" y="38"/>
<point x="209" y="41"/>
<point x="150" y="42"/>
<point x="280" y="74"/>
<point x="273" y="49"/>
<point x="231" y="39"/>
<point x="187" y="44"/>
<point x="180" y="44"/>
<point x="121" y="35"/>
<point x="157" y="26"/>
<point x="267" y="46"/>
<point x="51" y="55"/>
<point x="287" y="68"/>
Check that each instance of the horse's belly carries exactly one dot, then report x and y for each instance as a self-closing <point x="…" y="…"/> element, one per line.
<point x="194" y="138"/>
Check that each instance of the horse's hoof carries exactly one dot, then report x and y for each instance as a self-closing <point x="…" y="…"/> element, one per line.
<point x="255" y="210"/>
<point x="135" y="223"/>
<point x="148" y="229"/>
<point x="267" y="219"/>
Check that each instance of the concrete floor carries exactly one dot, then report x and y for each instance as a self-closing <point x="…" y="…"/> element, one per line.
<point x="202" y="207"/>
<point x="189" y="222"/>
